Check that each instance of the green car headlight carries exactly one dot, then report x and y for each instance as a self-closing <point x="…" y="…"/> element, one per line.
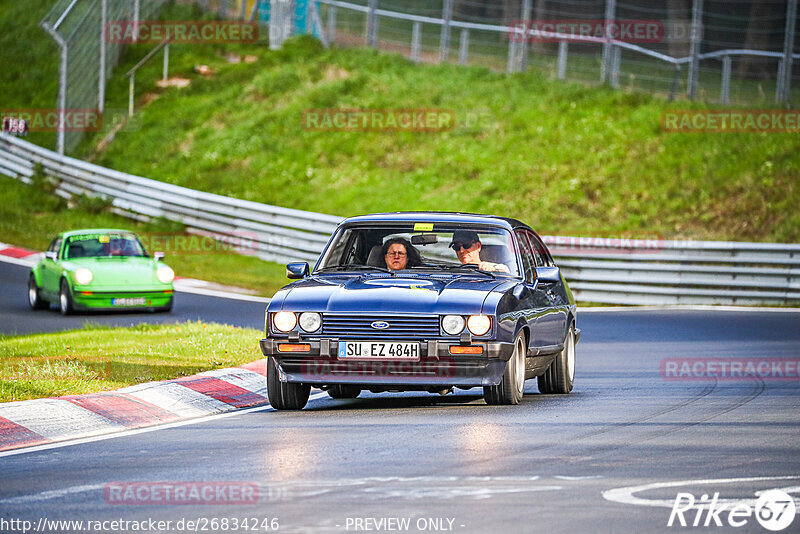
<point x="164" y="274"/>
<point x="83" y="276"/>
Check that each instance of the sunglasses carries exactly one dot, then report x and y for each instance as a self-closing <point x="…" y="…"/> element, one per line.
<point x="459" y="246"/>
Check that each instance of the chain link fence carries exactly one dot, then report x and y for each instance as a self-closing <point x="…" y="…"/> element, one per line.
<point x="738" y="51"/>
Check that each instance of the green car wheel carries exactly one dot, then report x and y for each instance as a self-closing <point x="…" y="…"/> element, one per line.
<point x="65" y="299"/>
<point x="34" y="295"/>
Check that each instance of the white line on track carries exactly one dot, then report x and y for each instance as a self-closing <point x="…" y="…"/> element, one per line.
<point x="134" y="432"/>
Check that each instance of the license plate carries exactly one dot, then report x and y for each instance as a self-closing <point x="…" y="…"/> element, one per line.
<point x="139" y="301"/>
<point x="378" y="350"/>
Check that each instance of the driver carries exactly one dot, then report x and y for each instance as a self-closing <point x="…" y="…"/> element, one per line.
<point x="467" y="245"/>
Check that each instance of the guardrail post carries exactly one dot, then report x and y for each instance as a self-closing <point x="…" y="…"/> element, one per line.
<point x="416" y="39"/>
<point x="223" y="9"/>
<point x="562" y="59"/>
<point x="244" y="9"/>
<point x="331" y="22"/>
<point x="725" y="90"/>
<point x="694" y="47"/>
<point x="101" y="78"/>
<point x="526" y="18"/>
<point x="444" y="39"/>
<point x="610" y="15"/>
<point x="463" y="46"/>
<point x="784" y="85"/>
<point x="372" y="24"/>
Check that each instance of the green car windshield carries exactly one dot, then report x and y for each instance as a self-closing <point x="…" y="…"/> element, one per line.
<point x="103" y="246"/>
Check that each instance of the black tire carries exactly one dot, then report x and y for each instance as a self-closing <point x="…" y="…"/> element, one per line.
<point x="34" y="295"/>
<point x="284" y="395"/>
<point x="560" y="376"/>
<point x="511" y="387"/>
<point x="65" y="305"/>
<point x="342" y="391"/>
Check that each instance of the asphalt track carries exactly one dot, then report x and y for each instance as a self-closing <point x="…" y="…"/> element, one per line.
<point x="610" y="457"/>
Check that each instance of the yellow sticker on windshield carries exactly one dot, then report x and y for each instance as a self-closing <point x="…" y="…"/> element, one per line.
<point x="423" y="227"/>
<point x="103" y="239"/>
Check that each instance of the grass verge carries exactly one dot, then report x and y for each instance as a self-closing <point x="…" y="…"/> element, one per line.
<point x="102" y="358"/>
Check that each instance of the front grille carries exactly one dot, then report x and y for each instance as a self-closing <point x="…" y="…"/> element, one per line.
<point x="400" y="326"/>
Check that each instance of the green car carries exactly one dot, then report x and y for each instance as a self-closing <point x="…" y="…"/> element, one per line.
<point x="100" y="269"/>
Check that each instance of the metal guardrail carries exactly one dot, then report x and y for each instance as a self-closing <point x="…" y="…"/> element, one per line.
<point x="614" y="271"/>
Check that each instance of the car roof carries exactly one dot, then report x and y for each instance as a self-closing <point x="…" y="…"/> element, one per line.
<point x="436" y="216"/>
<point x="71" y="233"/>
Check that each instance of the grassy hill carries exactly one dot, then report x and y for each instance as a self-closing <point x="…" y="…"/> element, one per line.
<point x="566" y="158"/>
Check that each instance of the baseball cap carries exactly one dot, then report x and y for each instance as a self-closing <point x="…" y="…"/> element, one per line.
<point x="465" y="238"/>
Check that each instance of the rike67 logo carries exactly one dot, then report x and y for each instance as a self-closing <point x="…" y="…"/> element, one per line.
<point x="774" y="510"/>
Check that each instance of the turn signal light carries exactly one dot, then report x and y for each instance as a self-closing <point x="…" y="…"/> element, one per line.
<point x="458" y="349"/>
<point x="290" y="347"/>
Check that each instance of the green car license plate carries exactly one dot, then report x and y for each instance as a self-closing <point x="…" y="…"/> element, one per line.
<point x="378" y="350"/>
<point x="138" y="301"/>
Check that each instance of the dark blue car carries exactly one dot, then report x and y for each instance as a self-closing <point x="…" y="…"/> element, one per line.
<point x="422" y="301"/>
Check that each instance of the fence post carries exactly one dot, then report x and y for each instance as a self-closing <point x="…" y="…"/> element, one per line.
<point x="166" y="62"/>
<point x="610" y="15"/>
<point x="616" y="57"/>
<point x="416" y="38"/>
<point x="223" y="9"/>
<point x="101" y="83"/>
<point x="444" y="39"/>
<point x="331" y="24"/>
<point x="244" y="9"/>
<point x="372" y="24"/>
<point x="526" y="18"/>
<point x="62" y="87"/>
<point x="673" y="90"/>
<point x="131" y="88"/>
<point x="562" y="60"/>
<point x="725" y="90"/>
<point x="784" y="88"/>
<point x="135" y="21"/>
<point x="694" y="47"/>
<point x="463" y="46"/>
<point x="512" y="53"/>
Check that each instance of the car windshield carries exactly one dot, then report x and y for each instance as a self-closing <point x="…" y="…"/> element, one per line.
<point x="421" y="247"/>
<point x="103" y="246"/>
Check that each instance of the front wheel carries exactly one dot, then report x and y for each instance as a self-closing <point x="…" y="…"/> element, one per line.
<point x="65" y="299"/>
<point x="560" y="376"/>
<point x="285" y="395"/>
<point x="510" y="388"/>
<point x="34" y="296"/>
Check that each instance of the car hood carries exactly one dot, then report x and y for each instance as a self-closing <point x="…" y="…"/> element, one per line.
<point x="383" y="293"/>
<point x="117" y="271"/>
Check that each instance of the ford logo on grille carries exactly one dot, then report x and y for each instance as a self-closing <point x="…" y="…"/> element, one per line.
<point x="380" y="325"/>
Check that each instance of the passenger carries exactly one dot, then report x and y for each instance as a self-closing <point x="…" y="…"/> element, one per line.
<point x="467" y="245"/>
<point x="399" y="253"/>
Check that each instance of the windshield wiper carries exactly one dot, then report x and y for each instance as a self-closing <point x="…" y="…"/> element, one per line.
<point x="356" y="266"/>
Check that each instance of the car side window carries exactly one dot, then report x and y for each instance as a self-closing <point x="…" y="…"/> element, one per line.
<point x="539" y="252"/>
<point x="55" y="246"/>
<point x="527" y="256"/>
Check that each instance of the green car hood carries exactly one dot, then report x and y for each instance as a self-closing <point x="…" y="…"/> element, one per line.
<point x="118" y="271"/>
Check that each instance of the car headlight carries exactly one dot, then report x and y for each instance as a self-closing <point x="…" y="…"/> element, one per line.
<point x="479" y="324"/>
<point x="165" y="275"/>
<point x="453" y="324"/>
<point x="83" y="276"/>
<point x="310" y="321"/>
<point x="284" y="321"/>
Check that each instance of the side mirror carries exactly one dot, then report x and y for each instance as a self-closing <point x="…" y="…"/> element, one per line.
<point x="158" y="256"/>
<point x="548" y="275"/>
<point x="298" y="270"/>
<point x="50" y="255"/>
